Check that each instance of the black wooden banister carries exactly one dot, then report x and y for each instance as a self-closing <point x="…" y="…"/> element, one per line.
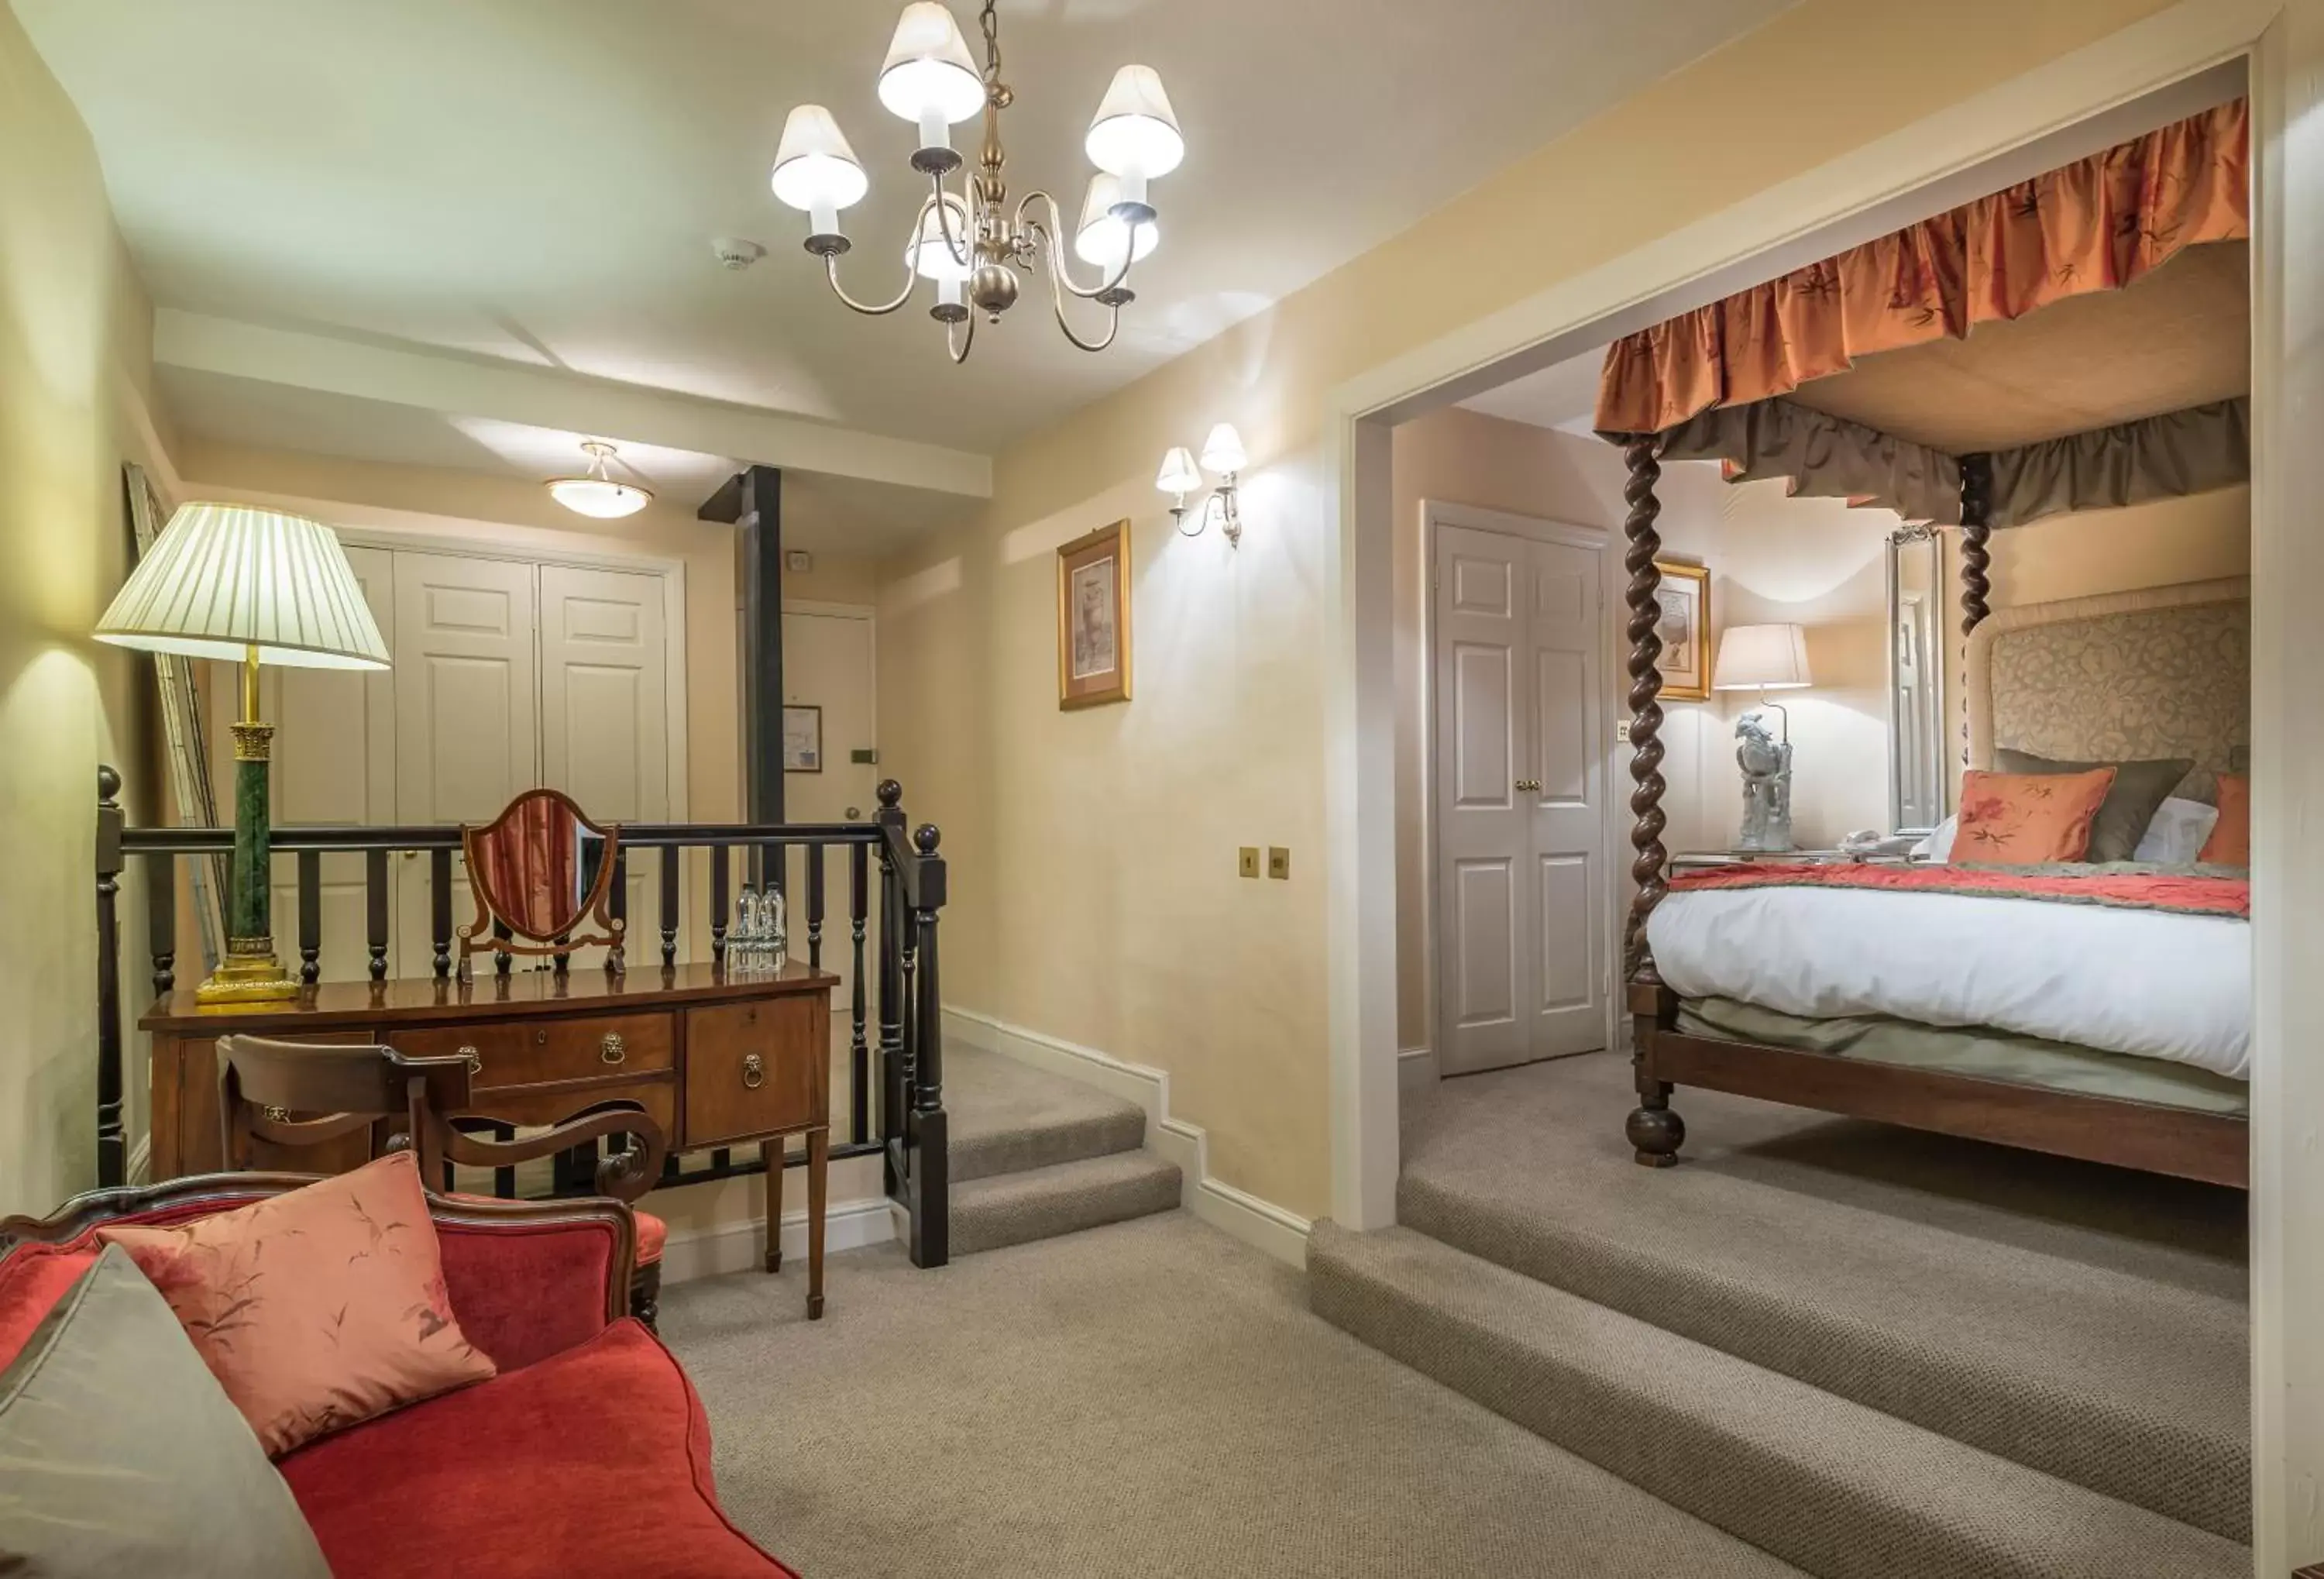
<point x="900" y="984"/>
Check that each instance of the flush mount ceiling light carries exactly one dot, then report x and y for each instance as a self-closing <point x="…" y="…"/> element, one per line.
<point x="974" y="245"/>
<point x="598" y="494"/>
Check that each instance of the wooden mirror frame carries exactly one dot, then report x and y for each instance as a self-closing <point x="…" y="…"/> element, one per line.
<point x="506" y="937"/>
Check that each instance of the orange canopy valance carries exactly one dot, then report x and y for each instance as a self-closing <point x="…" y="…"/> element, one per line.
<point x="2095" y="224"/>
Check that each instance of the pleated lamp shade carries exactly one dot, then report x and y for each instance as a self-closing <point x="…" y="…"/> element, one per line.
<point x="222" y="579"/>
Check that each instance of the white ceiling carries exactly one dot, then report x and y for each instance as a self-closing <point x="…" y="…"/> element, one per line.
<point x="1563" y="395"/>
<point x="540" y="181"/>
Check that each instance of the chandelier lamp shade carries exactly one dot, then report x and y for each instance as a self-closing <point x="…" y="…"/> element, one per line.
<point x="251" y="587"/>
<point x="596" y="494"/>
<point x="972" y="245"/>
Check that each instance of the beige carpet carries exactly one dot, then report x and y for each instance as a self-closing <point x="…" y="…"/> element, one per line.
<point x="1147" y="1399"/>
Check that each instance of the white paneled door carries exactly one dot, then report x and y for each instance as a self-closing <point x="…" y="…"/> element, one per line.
<point x="1520" y="787"/>
<point x="604" y="714"/>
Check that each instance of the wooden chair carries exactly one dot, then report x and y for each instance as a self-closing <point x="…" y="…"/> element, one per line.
<point x="404" y="1102"/>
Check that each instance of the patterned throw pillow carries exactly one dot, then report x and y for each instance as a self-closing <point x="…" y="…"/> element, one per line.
<point x="2230" y="840"/>
<point x="316" y="1309"/>
<point x="2017" y="819"/>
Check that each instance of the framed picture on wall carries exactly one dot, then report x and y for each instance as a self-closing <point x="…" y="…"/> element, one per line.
<point x="1685" y="630"/>
<point x="1093" y="618"/>
<point x="802" y="740"/>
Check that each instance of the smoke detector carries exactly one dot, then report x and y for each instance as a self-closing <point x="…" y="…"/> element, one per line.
<point x="737" y="252"/>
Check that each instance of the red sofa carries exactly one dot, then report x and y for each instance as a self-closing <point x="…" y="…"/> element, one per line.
<point x="588" y="1453"/>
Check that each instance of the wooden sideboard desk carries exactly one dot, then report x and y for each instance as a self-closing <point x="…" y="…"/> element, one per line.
<point x="717" y="1059"/>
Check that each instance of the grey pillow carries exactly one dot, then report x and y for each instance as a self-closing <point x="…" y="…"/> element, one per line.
<point x="2139" y="788"/>
<point x="125" y="1456"/>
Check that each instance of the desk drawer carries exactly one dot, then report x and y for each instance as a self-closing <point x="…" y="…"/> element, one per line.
<point x="755" y="1068"/>
<point x="541" y="1051"/>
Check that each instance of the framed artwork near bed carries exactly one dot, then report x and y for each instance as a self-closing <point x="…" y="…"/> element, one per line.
<point x="1685" y="630"/>
<point x="1093" y="618"/>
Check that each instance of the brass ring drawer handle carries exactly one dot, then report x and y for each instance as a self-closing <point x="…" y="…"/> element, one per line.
<point x="610" y="1048"/>
<point x="754" y="1071"/>
<point x="473" y="1059"/>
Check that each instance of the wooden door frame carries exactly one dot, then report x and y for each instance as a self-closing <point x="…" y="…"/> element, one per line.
<point x="1441" y="512"/>
<point x="1997" y="133"/>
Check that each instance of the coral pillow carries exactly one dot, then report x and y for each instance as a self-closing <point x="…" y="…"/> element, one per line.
<point x="2017" y="819"/>
<point x="318" y="1309"/>
<point x="2230" y="840"/>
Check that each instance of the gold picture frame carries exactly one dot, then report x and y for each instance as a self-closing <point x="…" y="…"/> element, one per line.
<point x="1093" y="618"/>
<point x="1685" y="630"/>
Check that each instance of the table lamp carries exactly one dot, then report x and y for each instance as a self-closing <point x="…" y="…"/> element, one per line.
<point x="1763" y="658"/>
<point x="251" y="586"/>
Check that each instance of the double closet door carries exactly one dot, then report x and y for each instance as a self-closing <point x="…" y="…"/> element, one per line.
<point x="1522" y="896"/>
<point x="507" y="674"/>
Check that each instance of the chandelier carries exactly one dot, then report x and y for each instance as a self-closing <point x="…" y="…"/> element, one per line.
<point x="971" y="244"/>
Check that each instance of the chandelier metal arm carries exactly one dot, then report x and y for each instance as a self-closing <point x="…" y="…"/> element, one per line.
<point x="957" y="248"/>
<point x="1051" y="235"/>
<point x="1057" y="306"/>
<point x="957" y="343"/>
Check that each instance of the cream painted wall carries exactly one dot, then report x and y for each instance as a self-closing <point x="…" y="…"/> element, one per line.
<point x="76" y="362"/>
<point x="1095" y="895"/>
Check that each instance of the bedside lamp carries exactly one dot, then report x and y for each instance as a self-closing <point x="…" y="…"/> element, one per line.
<point x="1763" y="658"/>
<point x="251" y="586"/>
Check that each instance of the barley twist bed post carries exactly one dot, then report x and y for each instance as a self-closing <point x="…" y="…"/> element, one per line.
<point x="1977" y="525"/>
<point x="1653" y="1130"/>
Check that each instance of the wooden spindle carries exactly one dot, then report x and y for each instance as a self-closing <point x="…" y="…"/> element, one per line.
<point x="439" y="909"/>
<point x="161" y="920"/>
<point x="720" y="903"/>
<point x="618" y="905"/>
<point x="931" y="1210"/>
<point x="671" y="856"/>
<point x="859" y="1062"/>
<point x="376" y="910"/>
<point x="1977" y="526"/>
<point x="813" y="855"/>
<point x="112" y="1142"/>
<point x="310" y="916"/>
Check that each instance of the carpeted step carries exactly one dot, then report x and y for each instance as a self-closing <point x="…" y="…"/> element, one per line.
<point x="1007" y="1117"/>
<point x="1836" y="1489"/>
<point x="2079" y="1320"/>
<point x="1013" y="1208"/>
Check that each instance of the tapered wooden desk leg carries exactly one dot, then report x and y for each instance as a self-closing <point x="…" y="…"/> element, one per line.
<point x="818" y="1174"/>
<point x="771" y="1153"/>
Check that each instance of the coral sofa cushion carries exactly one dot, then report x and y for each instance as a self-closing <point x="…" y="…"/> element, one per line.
<point x="318" y="1309"/>
<point x="596" y="1461"/>
<point x="122" y="1455"/>
<point x="2023" y="818"/>
<point x="2230" y="840"/>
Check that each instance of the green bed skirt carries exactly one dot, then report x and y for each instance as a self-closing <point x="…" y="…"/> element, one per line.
<point x="1976" y="1050"/>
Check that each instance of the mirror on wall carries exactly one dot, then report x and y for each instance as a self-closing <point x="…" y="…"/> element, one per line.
<point x="1916" y="687"/>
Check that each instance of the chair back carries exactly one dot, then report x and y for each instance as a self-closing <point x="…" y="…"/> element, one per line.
<point x="300" y="1095"/>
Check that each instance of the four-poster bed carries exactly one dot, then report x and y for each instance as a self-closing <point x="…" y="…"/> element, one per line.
<point x="1834" y="990"/>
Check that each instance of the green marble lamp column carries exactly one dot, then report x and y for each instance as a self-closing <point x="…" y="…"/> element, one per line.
<point x="250" y="973"/>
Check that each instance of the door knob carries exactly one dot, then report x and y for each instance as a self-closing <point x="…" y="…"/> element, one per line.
<point x="1532" y="784"/>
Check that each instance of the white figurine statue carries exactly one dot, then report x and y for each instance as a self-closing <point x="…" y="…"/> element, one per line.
<point x="1766" y="765"/>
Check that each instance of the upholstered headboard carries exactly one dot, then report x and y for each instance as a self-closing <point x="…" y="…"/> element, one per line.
<point x="2161" y="672"/>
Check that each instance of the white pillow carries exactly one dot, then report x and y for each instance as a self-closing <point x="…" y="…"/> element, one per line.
<point x="2174" y="836"/>
<point x="1939" y="845"/>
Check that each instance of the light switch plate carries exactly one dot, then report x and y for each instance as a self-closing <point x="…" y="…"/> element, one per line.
<point x="1247" y="861"/>
<point x="1622" y="731"/>
<point x="1279" y="861"/>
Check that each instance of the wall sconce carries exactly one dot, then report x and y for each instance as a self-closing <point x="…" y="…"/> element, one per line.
<point x="1222" y="455"/>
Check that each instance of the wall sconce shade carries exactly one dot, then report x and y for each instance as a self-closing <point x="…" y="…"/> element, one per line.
<point x="1179" y="473"/>
<point x="1222" y="451"/>
<point x="1761" y="658"/>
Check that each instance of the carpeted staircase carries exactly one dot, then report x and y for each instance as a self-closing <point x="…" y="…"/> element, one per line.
<point x="1872" y="1353"/>
<point x="1033" y="1155"/>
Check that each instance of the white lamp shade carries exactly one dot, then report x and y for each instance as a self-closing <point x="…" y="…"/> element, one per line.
<point x="935" y="259"/>
<point x="601" y="497"/>
<point x="1761" y="658"/>
<point x="1135" y="132"/>
<point x="223" y="578"/>
<point x="1102" y="237"/>
<point x="814" y="166"/>
<point x="1222" y="450"/>
<point x="1178" y="475"/>
<point x="929" y="71"/>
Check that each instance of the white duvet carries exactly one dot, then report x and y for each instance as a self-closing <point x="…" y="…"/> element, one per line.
<point x="2152" y="983"/>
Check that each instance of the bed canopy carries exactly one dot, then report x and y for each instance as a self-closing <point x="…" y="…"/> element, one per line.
<point x="2078" y="341"/>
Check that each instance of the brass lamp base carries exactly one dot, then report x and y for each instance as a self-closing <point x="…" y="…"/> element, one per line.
<point x="249" y="974"/>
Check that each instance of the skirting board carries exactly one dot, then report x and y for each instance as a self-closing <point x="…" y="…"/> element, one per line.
<point x="1262" y="1224"/>
<point x="1416" y="1072"/>
<point x="738" y="1247"/>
